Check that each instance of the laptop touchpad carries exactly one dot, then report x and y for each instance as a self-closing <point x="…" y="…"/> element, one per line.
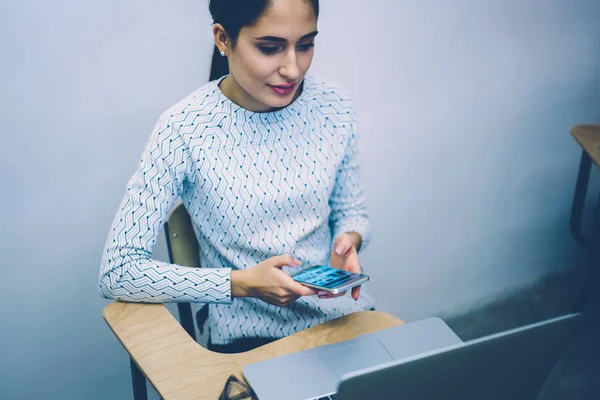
<point x="353" y="357"/>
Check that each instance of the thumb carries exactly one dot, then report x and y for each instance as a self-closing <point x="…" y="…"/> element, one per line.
<point x="343" y="244"/>
<point x="286" y="260"/>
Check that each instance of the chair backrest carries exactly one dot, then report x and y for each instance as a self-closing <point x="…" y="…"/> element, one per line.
<point x="183" y="249"/>
<point x="182" y="243"/>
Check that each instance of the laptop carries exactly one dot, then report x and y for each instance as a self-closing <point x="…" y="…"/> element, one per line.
<point x="316" y="372"/>
<point x="418" y="360"/>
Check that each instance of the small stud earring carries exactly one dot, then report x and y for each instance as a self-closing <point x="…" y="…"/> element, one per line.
<point x="222" y="54"/>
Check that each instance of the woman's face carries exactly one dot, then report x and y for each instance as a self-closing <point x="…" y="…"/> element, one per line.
<point x="272" y="57"/>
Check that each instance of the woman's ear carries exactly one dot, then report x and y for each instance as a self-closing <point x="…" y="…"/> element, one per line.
<point x="220" y="38"/>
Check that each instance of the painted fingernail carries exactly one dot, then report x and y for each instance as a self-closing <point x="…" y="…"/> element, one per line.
<point x="339" y="250"/>
<point x="297" y="262"/>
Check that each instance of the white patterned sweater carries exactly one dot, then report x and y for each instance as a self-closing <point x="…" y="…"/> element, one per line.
<point x="256" y="185"/>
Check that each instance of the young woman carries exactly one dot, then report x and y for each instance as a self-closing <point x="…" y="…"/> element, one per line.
<point x="264" y="158"/>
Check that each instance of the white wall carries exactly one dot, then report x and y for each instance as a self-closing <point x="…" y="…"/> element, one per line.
<point x="465" y="109"/>
<point x="464" y="112"/>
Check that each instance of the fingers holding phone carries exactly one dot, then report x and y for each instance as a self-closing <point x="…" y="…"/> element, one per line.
<point x="344" y="256"/>
<point x="322" y="294"/>
<point x="328" y="281"/>
<point x="267" y="282"/>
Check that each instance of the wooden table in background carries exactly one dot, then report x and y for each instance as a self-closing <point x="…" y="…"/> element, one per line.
<point x="588" y="137"/>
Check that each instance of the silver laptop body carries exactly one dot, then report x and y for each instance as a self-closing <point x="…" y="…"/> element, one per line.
<point x="316" y="372"/>
<point x="428" y="361"/>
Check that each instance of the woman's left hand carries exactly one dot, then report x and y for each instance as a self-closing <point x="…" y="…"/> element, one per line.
<point x="344" y="256"/>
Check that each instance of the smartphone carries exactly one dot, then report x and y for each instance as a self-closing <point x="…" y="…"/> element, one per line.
<point x="329" y="279"/>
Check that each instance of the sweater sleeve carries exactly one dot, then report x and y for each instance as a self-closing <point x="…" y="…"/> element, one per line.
<point x="347" y="201"/>
<point x="128" y="272"/>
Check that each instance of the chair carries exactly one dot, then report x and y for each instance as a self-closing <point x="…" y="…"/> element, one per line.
<point x="183" y="249"/>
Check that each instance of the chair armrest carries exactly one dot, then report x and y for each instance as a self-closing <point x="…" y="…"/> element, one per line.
<point x="181" y="369"/>
<point x="157" y="343"/>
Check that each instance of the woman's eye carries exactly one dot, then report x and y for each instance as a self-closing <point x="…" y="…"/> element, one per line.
<point x="269" y="49"/>
<point x="306" y="47"/>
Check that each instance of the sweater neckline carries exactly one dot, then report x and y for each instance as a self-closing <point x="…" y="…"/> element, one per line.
<point x="265" y="117"/>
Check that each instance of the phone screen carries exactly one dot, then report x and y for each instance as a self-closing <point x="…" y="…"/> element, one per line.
<point x="326" y="277"/>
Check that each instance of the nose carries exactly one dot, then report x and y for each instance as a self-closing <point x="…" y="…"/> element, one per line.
<point x="289" y="67"/>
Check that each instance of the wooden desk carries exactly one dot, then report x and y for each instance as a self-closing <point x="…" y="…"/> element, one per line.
<point x="181" y="369"/>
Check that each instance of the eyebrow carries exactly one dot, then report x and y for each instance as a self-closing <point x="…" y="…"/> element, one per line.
<point x="282" y="40"/>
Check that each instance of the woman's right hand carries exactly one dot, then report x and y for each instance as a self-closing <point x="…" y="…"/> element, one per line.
<point x="269" y="283"/>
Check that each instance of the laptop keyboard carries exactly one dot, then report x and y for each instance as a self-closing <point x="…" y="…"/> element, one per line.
<point x="330" y="397"/>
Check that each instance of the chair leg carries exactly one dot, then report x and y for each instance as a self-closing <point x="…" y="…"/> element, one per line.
<point x="138" y="380"/>
<point x="186" y="318"/>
